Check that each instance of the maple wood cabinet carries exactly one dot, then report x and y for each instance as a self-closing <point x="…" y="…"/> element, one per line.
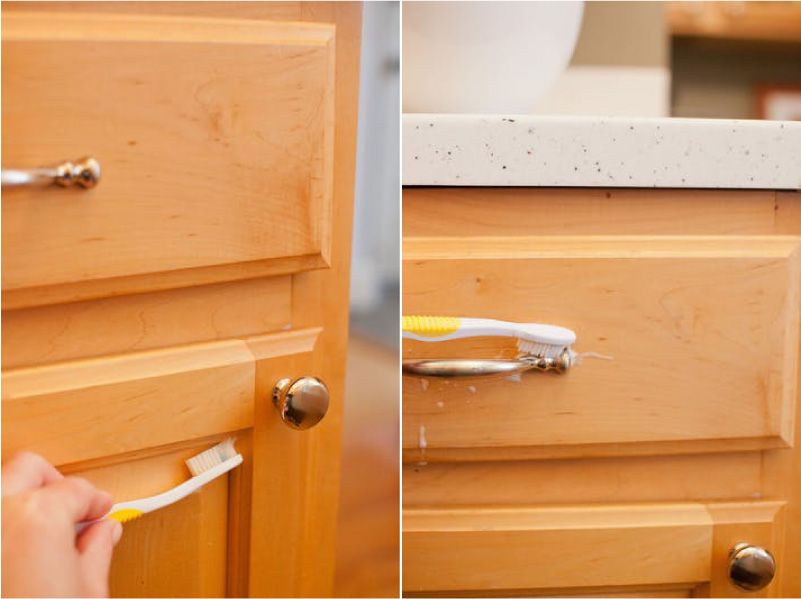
<point x="151" y="316"/>
<point x="629" y="476"/>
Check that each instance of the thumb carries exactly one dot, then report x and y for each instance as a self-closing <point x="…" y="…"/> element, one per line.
<point x="96" y="544"/>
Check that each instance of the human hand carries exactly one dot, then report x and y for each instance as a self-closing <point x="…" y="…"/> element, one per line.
<point x="41" y="555"/>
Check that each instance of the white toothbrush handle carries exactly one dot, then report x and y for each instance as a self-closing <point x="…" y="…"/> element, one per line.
<point x="149" y="504"/>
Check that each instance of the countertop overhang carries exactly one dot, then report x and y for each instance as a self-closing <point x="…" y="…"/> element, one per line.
<point x="534" y="151"/>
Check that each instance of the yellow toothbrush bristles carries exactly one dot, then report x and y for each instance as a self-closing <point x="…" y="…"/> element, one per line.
<point x="211" y="457"/>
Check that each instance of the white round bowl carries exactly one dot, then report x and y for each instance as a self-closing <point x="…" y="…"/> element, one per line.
<point x="485" y="57"/>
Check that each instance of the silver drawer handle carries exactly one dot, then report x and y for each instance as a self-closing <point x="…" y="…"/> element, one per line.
<point x="456" y="368"/>
<point x="84" y="172"/>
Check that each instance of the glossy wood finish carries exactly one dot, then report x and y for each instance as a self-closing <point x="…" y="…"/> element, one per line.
<point x="171" y="337"/>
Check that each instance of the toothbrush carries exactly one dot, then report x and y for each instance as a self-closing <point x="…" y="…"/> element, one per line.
<point x="204" y="467"/>
<point x="540" y="340"/>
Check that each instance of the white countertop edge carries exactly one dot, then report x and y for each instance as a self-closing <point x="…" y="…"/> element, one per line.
<point x="540" y="151"/>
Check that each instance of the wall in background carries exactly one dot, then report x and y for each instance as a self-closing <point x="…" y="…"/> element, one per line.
<point x="376" y="236"/>
<point x="375" y="271"/>
<point x="721" y="79"/>
<point x="683" y="59"/>
<point x="730" y="57"/>
<point x="619" y="66"/>
<point x="632" y="34"/>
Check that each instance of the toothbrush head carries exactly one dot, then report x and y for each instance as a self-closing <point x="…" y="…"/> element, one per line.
<point x="544" y="340"/>
<point x="212" y="457"/>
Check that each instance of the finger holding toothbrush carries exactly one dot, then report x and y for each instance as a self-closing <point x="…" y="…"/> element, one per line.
<point x="41" y="554"/>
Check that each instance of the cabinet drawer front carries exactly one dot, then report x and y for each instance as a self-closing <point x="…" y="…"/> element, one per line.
<point x="703" y="334"/>
<point x="545" y="549"/>
<point x="214" y="137"/>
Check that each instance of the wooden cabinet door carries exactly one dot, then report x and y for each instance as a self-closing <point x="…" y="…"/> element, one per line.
<point x="128" y="422"/>
<point x="206" y="285"/>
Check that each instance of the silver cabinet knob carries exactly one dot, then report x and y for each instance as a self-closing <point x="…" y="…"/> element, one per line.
<point x="302" y="403"/>
<point x="84" y="172"/>
<point x="751" y="568"/>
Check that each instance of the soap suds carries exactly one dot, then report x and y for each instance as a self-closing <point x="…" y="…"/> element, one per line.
<point x="423" y="444"/>
<point x="440" y="404"/>
<point x="578" y="358"/>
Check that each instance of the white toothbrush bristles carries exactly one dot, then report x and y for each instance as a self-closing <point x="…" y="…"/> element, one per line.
<point x="211" y="457"/>
<point x="541" y="350"/>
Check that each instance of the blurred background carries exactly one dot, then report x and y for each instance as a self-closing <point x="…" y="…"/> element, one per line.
<point x="368" y="541"/>
<point x="684" y="59"/>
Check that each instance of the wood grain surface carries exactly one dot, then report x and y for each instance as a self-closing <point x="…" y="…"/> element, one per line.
<point x="691" y="268"/>
<point x="179" y="114"/>
<point x="150" y="317"/>
<point x="702" y="332"/>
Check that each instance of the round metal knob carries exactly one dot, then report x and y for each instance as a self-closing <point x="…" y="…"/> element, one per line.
<point x="751" y="568"/>
<point x="301" y="403"/>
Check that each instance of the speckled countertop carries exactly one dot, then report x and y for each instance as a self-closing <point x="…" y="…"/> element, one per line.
<point x="488" y="150"/>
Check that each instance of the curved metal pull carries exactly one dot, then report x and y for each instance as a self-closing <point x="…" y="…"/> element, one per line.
<point x="457" y="368"/>
<point x="84" y="172"/>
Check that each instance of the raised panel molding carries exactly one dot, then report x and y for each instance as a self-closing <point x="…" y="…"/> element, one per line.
<point x="200" y="183"/>
<point x="82" y="410"/>
<point x="703" y="332"/>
